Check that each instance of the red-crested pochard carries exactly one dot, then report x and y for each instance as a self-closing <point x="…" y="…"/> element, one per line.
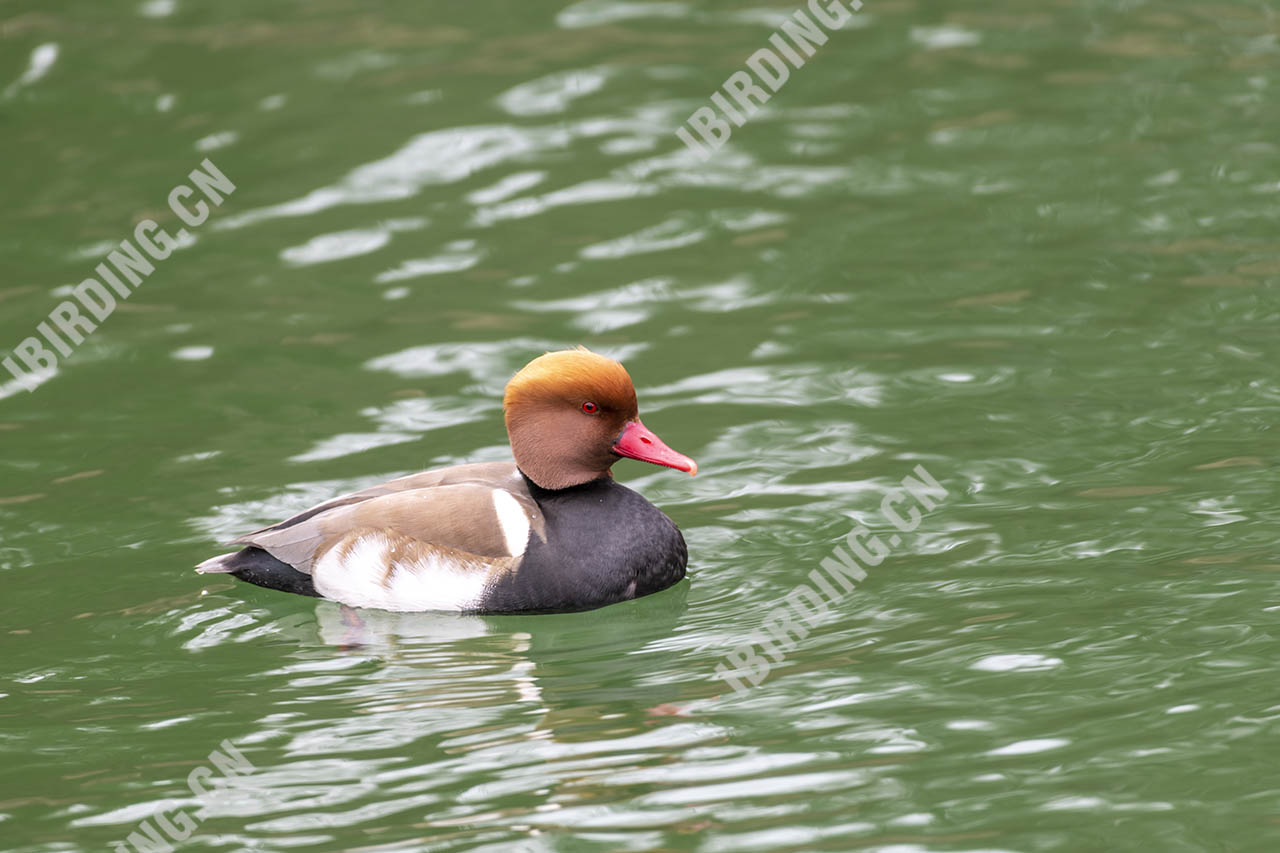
<point x="550" y="532"/>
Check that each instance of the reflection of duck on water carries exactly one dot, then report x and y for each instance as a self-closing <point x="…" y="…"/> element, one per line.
<point x="552" y="532"/>
<point x="574" y="668"/>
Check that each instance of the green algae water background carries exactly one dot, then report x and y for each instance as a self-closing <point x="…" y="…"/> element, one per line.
<point x="1034" y="247"/>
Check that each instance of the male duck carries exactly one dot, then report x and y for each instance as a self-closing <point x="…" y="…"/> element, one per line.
<point x="551" y="532"/>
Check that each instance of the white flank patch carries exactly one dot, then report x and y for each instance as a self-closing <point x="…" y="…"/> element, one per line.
<point x="433" y="583"/>
<point x="514" y="522"/>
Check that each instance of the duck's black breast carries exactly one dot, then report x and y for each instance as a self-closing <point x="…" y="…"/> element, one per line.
<point x="604" y="544"/>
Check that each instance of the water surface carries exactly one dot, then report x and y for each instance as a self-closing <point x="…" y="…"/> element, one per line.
<point x="1032" y="247"/>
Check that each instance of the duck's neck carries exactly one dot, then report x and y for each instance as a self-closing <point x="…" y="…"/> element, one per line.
<point x="539" y="491"/>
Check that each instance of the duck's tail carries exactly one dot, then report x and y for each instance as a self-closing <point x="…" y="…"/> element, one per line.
<point x="215" y="565"/>
<point x="256" y="566"/>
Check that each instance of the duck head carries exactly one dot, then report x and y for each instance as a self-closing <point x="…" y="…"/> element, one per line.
<point x="570" y="415"/>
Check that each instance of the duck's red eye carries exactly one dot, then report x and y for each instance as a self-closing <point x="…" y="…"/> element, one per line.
<point x="590" y="408"/>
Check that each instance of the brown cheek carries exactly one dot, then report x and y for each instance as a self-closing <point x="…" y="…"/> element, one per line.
<point x="613" y="428"/>
<point x="592" y="436"/>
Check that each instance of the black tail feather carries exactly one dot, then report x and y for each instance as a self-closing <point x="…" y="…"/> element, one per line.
<point x="254" y="565"/>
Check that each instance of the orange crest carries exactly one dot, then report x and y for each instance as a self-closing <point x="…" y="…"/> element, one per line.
<point x="571" y="376"/>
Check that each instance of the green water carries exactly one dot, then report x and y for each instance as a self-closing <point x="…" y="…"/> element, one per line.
<point x="1030" y="246"/>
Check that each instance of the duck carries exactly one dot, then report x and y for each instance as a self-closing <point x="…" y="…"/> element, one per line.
<point x="549" y="532"/>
